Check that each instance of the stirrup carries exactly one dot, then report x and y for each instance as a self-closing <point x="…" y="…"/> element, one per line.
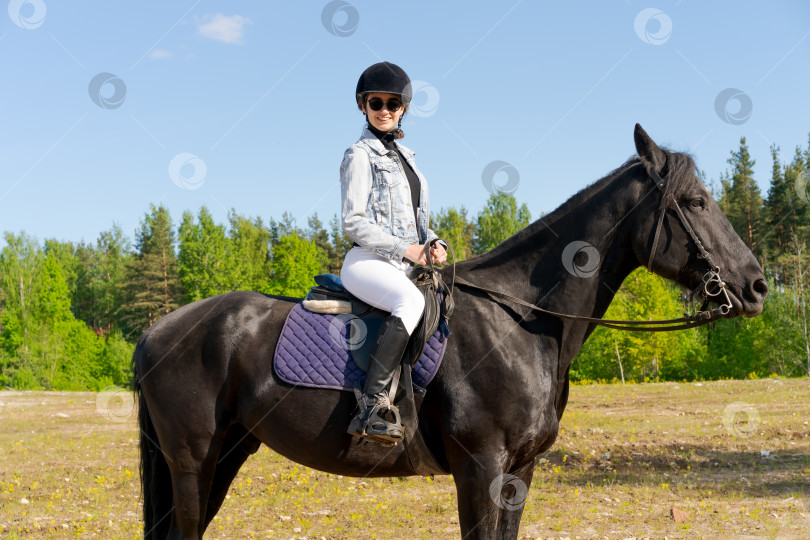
<point x="379" y="429"/>
<point x="371" y="424"/>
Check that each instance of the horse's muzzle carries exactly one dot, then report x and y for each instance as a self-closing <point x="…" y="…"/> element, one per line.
<point x="749" y="299"/>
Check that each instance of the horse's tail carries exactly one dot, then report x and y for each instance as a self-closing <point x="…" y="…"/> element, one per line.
<point x="156" y="485"/>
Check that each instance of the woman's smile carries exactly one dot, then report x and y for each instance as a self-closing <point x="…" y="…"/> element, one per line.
<point x="384" y="119"/>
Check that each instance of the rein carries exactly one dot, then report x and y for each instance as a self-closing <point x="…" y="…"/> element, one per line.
<point x="712" y="285"/>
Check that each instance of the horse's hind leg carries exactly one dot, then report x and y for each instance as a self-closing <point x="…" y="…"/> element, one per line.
<point x="238" y="446"/>
<point x="192" y="468"/>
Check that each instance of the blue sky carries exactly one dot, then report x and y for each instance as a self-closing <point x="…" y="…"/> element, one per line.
<point x="249" y="105"/>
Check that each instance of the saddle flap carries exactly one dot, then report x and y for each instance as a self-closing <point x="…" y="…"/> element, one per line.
<point x="363" y="321"/>
<point x="363" y="332"/>
<point x="322" y="293"/>
<point x="313" y="350"/>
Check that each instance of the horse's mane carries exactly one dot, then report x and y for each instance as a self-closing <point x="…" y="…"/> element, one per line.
<point x="680" y="172"/>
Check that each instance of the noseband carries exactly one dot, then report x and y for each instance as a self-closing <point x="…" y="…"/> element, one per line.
<point x="710" y="287"/>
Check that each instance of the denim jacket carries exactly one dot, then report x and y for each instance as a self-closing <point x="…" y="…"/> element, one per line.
<point x="377" y="212"/>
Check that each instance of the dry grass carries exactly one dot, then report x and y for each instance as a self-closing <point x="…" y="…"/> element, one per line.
<point x="626" y="455"/>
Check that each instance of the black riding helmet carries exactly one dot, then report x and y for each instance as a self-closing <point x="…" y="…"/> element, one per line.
<point x="384" y="77"/>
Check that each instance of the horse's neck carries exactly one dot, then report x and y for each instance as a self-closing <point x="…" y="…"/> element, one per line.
<point x="530" y="265"/>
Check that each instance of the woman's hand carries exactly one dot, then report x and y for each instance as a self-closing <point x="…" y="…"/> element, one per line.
<point x="438" y="253"/>
<point x="416" y="253"/>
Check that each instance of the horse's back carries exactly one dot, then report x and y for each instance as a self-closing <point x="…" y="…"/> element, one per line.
<point x="213" y="360"/>
<point x="202" y="344"/>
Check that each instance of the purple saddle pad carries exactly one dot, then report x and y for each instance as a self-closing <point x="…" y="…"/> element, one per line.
<point x="315" y="350"/>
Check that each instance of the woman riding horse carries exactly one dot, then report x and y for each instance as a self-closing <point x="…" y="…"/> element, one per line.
<point x="385" y="212"/>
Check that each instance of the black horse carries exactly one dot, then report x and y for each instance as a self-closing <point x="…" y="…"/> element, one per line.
<point x="209" y="396"/>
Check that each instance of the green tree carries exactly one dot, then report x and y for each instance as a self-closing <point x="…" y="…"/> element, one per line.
<point x="280" y="229"/>
<point x="43" y="345"/>
<point x="741" y="200"/>
<point x="453" y="226"/>
<point x="100" y="280"/>
<point x="203" y="263"/>
<point x="795" y="264"/>
<point x="249" y="254"/>
<point x="153" y="285"/>
<point x="66" y="256"/>
<point x="778" y="209"/>
<point x="113" y="253"/>
<point x="320" y="237"/>
<point x="18" y="263"/>
<point x="500" y="219"/>
<point x="641" y="355"/>
<point x="341" y="243"/>
<point x="295" y="260"/>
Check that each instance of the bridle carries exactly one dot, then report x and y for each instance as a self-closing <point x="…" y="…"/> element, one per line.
<point x="711" y="285"/>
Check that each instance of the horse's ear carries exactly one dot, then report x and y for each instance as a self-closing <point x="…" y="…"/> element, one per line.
<point x="652" y="156"/>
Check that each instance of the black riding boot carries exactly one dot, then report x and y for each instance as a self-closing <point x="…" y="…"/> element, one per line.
<point x="379" y="418"/>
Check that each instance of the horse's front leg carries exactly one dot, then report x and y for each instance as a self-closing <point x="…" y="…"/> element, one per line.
<point x="513" y="499"/>
<point x="480" y="485"/>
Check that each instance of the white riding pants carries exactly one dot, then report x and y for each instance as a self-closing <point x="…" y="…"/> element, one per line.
<point x="384" y="284"/>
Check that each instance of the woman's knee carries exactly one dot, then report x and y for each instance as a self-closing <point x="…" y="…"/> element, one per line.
<point x="415" y="301"/>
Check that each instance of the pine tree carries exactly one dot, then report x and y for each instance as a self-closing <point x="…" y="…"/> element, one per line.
<point x="785" y="212"/>
<point x="320" y="237"/>
<point x="153" y="284"/>
<point x="280" y="229"/>
<point x="778" y="209"/>
<point x="113" y="252"/>
<point x="741" y="200"/>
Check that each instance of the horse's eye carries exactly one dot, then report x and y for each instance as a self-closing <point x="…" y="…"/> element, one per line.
<point x="696" y="203"/>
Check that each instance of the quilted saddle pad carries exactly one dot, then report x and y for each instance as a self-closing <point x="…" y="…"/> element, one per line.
<point x="315" y="350"/>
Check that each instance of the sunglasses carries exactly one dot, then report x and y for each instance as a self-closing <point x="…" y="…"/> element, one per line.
<point x="376" y="104"/>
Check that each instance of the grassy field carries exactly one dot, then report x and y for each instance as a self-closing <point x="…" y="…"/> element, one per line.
<point x="733" y="455"/>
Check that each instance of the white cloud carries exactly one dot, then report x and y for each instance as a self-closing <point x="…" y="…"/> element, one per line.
<point x="227" y="29"/>
<point x="159" y="54"/>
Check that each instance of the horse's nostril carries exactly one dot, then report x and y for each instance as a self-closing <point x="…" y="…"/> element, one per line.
<point x="761" y="288"/>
